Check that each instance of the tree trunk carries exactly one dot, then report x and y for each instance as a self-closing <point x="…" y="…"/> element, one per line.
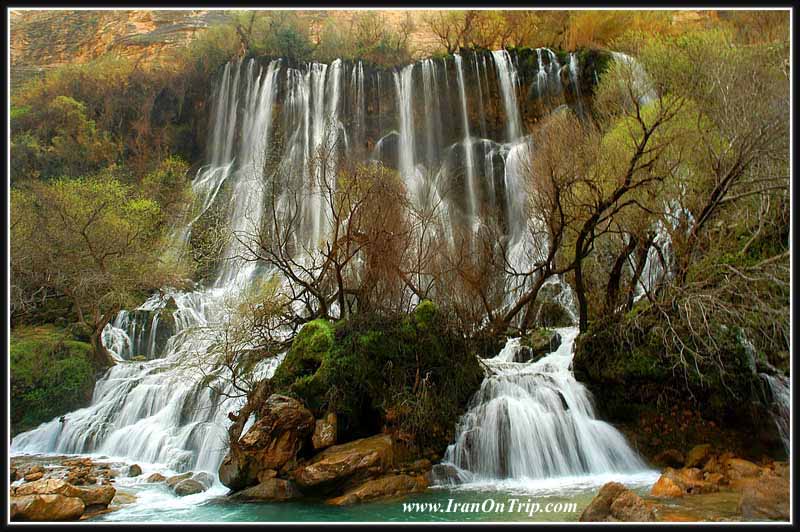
<point x="102" y="358"/>
<point x="614" y="278"/>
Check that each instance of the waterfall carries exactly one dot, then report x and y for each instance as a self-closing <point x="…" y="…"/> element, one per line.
<point x="642" y="85"/>
<point x="276" y="134"/>
<point x="574" y="79"/>
<point x="472" y="194"/>
<point x="403" y="82"/>
<point x="533" y="420"/>
<point x="159" y="411"/>
<point x="507" y="74"/>
<point x="247" y="202"/>
<point x="779" y="387"/>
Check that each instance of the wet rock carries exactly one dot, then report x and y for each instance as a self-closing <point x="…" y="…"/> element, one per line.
<point x="134" y="471"/>
<point x="271" y="443"/>
<point x="204" y="478"/>
<point x="698" y="456"/>
<point x="100" y="496"/>
<point x="538" y="344"/>
<point x="273" y="489"/>
<point x="689" y="479"/>
<point x="52" y="507"/>
<point x="666" y="487"/>
<point x="387" y="486"/>
<point x="50" y="486"/>
<point x="444" y="474"/>
<point x="174" y="480"/>
<point x="33" y="477"/>
<point x="188" y="486"/>
<point x="14" y="476"/>
<point x="123" y="497"/>
<point x="266" y="475"/>
<point x="669" y="458"/>
<point x="156" y="477"/>
<point x="600" y="507"/>
<point x="737" y="468"/>
<point x="765" y="498"/>
<point x="352" y="461"/>
<point x="324" y="432"/>
<point x="423" y="464"/>
<point x="629" y="507"/>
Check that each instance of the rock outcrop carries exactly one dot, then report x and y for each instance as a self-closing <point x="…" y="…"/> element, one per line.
<point x="273" y="489"/>
<point x="324" y="432"/>
<point x="382" y="487"/>
<point x="272" y="443"/>
<point x="615" y="502"/>
<point x="346" y="464"/>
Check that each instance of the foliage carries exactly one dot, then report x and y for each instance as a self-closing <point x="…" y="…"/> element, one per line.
<point x="91" y="239"/>
<point x="51" y="374"/>
<point x="57" y="138"/>
<point x="413" y="374"/>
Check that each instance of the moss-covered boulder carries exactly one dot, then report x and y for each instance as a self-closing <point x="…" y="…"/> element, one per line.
<point x="661" y="403"/>
<point x="51" y="375"/>
<point x="411" y="375"/>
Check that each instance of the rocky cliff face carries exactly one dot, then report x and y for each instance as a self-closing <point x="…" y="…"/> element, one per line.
<point x="41" y="40"/>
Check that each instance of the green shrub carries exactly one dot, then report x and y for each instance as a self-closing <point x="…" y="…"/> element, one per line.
<point x="51" y="374"/>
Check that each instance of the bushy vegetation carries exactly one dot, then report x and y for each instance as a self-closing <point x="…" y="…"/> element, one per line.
<point x="412" y="374"/>
<point x="51" y="374"/>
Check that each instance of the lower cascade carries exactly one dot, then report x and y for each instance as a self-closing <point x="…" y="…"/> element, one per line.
<point x="533" y="420"/>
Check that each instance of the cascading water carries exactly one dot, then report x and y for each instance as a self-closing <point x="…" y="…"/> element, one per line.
<point x="159" y="411"/>
<point x="150" y="408"/>
<point x="533" y="420"/>
<point x="779" y="387"/>
<point x="472" y="194"/>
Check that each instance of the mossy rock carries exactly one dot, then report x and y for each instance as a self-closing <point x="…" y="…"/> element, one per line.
<point x="411" y="374"/>
<point x="51" y="374"/>
<point x="538" y="343"/>
<point x="305" y="356"/>
<point x="625" y="364"/>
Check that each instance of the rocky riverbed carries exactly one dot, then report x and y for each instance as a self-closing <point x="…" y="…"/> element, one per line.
<point x="703" y="485"/>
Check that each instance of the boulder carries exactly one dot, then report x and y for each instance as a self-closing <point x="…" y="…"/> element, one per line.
<point x="14" y="474"/>
<point x="174" y="480"/>
<point x="156" y="477"/>
<point x="50" y="486"/>
<point x="324" y="432"/>
<point x="97" y="495"/>
<point x="349" y="462"/>
<point x="629" y="507"/>
<point x="738" y="468"/>
<point x="204" y="478"/>
<point x="53" y="507"/>
<point x="698" y="456"/>
<point x="188" y="486"/>
<point x="92" y="496"/>
<point x="271" y="443"/>
<point x="690" y="480"/>
<point x="445" y="474"/>
<point x="134" y="471"/>
<point x="765" y="498"/>
<point x="273" y="489"/>
<point x="669" y="458"/>
<point x="666" y="487"/>
<point x="600" y="507"/>
<point x="386" y="486"/>
<point x="33" y="477"/>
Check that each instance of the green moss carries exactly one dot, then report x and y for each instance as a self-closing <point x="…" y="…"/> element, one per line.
<point x="305" y="356"/>
<point x="51" y="374"/>
<point x="410" y="374"/>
